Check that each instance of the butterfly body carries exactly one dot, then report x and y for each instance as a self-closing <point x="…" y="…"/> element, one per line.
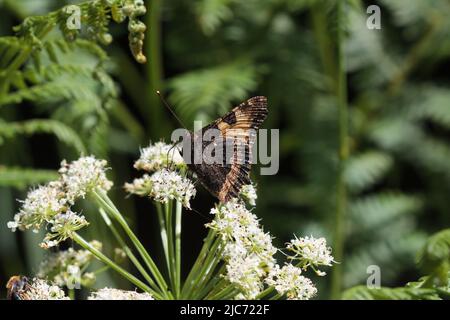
<point x="237" y="130"/>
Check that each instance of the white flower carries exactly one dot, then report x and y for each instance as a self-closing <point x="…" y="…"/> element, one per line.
<point x="63" y="267"/>
<point x="246" y="274"/>
<point x="248" y="250"/>
<point x="159" y="156"/>
<point x="62" y="227"/>
<point x="115" y="294"/>
<point x="248" y="193"/>
<point x="288" y="280"/>
<point x="140" y="186"/>
<point x="167" y="185"/>
<point x="82" y="176"/>
<point x="40" y="206"/>
<point x="311" y="252"/>
<point x="39" y="289"/>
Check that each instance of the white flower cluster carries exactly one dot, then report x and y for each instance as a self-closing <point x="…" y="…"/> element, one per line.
<point x="50" y="204"/>
<point x="82" y="176"/>
<point x="62" y="227"/>
<point x="40" y="206"/>
<point x="311" y="252"/>
<point x="165" y="182"/>
<point x="288" y="280"/>
<point x="116" y="294"/>
<point x="39" y="289"/>
<point x="248" y="250"/>
<point x="159" y="156"/>
<point x="167" y="185"/>
<point x="248" y="193"/>
<point x="68" y="267"/>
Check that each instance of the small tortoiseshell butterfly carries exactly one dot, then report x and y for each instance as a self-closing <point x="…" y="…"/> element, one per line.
<point x="239" y="126"/>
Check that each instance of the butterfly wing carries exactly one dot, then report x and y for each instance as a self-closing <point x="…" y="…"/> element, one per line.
<point x="237" y="127"/>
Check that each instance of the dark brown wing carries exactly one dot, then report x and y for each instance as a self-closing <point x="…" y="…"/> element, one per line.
<point x="238" y="126"/>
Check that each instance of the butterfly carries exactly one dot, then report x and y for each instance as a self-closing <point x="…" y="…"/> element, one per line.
<point x="238" y="127"/>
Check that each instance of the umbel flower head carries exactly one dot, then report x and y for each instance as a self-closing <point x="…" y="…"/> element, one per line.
<point x="159" y="156"/>
<point x="288" y="280"/>
<point x="164" y="185"/>
<point x="248" y="250"/>
<point x="311" y="252"/>
<point x="40" y="206"/>
<point x="116" y="294"/>
<point x="63" y="225"/>
<point x="49" y="205"/>
<point x="82" y="176"/>
<point x="68" y="266"/>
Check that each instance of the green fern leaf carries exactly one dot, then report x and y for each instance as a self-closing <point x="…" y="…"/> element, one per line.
<point x="63" y="132"/>
<point x="367" y="169"/>
<point x="214" y="88"/>
<point x="22" y="177"/>
<point x="365" y="293"/>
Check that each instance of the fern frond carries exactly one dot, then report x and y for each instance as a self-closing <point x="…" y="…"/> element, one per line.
<point x="217" y="87"/>
<point x="433" y="105"/>
<point x="63" y="132"/>
<point x="396" y="241"/>
<point x="365" y="293"/>
<point x="23" y="177"/>
<point x="366" y="169"/>
<point x="375" y="210"/>
<point x="211" y="13"/>
<point x="49" y="92"/>
<point x="434" y="258"/>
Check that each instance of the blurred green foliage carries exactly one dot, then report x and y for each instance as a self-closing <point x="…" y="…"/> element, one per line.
<point x="208" y="55"/>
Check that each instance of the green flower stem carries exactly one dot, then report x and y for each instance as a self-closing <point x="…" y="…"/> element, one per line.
<point x="163" y="232"/>
<point x="265" y="293"/>
<point x="178" y="217"/>
<point x="213" y="283"/>
<point x="86" y="245"/>
<point x="209" y="272"/>
<point x="109" y="207"/>
<point x="218" y="287"/>
<point x="197" y="265"/>
<point x="170" y="242"/>
<point x="71" y="294"/>
<point x="341" y="205"/>
<point x="276" y="297"/>
<point x="102" y="269"/>
<point x="211" y="260"/>
<point x="128" y="251"/>
<point x="226" y="293"/>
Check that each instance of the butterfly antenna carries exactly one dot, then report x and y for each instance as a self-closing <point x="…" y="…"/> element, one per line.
<point x="201" y="214"/>
<point x="170" y="109"/>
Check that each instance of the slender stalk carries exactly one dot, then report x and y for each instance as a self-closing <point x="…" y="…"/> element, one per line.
<point x="86" y="245"/>
<point x="212" y="283"/>
<point x="178" y="216"/>
<point x="227" y="292"/>
<point x="276" y="297"/>
<point x="109" y="207"/>
<point x="128" y="251"/>
<point x="341" y="205"/>
<point x="163" y="232"/>
<point x="170" y="242"/>
<point x="209" y="263"/>
<point x="265" y="293"/>
<point x="72" y="294"/>
<point x="197" y="265"/>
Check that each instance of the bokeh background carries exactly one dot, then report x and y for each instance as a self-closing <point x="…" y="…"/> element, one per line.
<point x="208" y="55"/>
